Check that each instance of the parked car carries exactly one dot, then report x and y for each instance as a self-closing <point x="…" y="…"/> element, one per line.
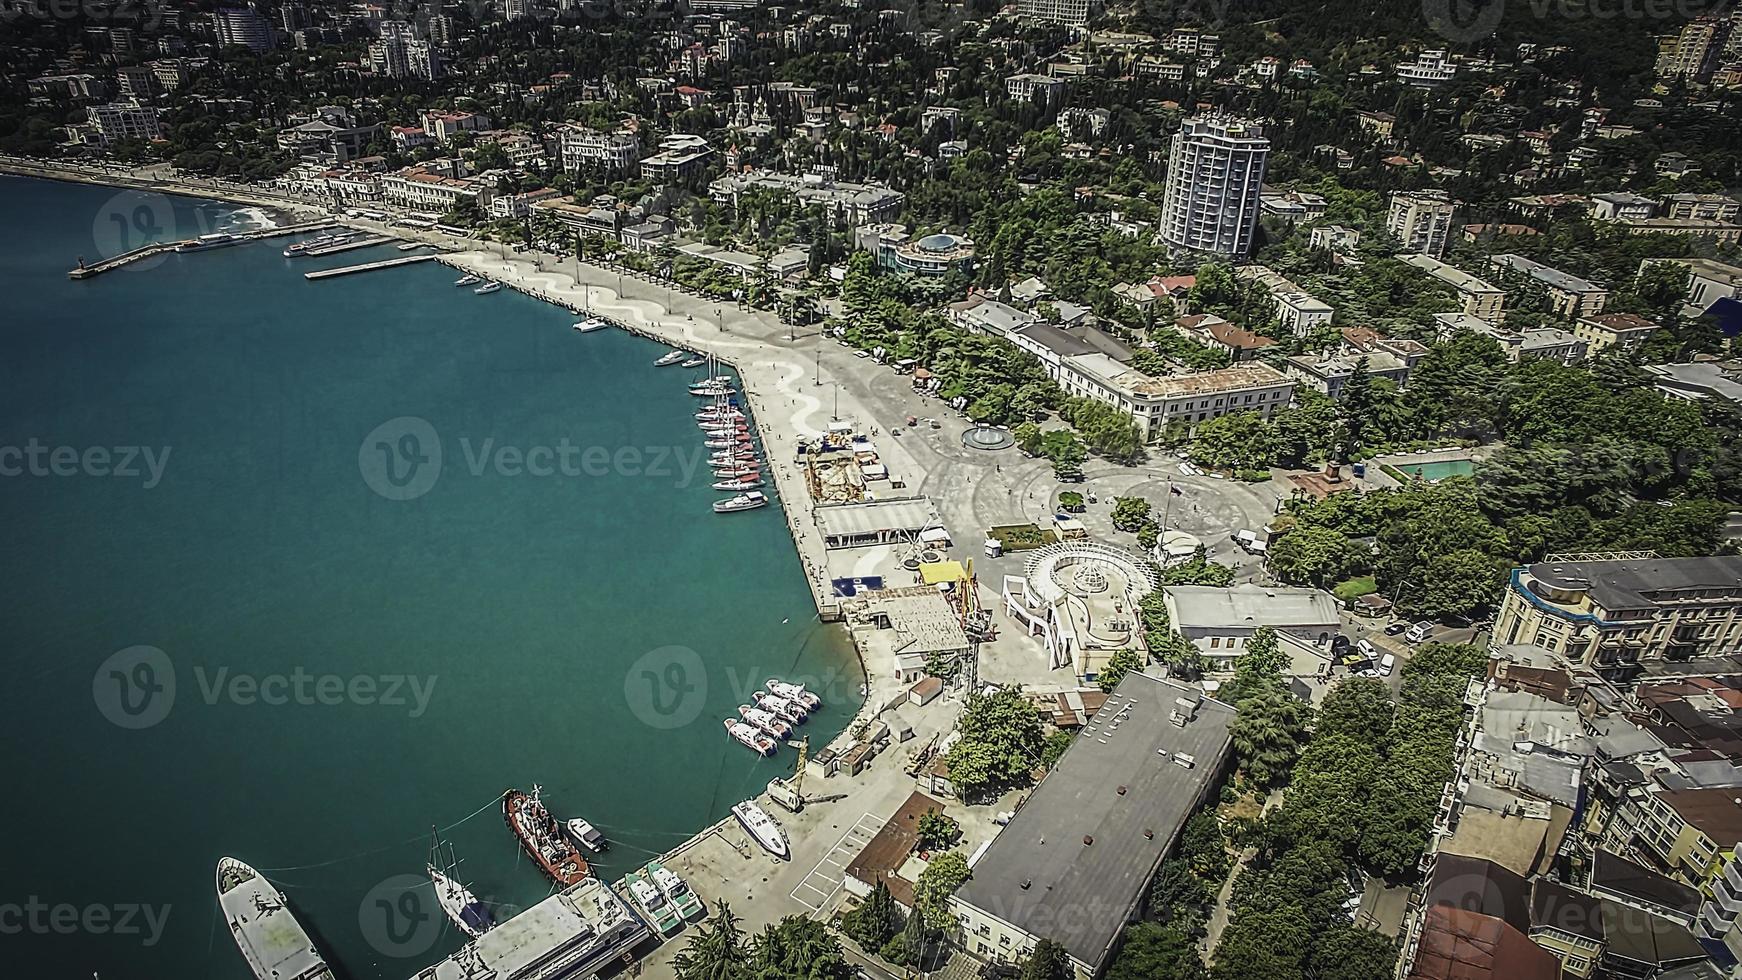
<point x="1339" y="645"/>
<point x="1367" y="648"/>
<point x="1387" y="664"/>
<point x="1394" y="628"/>
<point x="1420" y="632"/>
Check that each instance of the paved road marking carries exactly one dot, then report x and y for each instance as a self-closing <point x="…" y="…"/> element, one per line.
<point x="826" y="884"/>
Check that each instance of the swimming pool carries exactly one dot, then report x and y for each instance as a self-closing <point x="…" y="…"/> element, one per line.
<point x="1432" y="471"/>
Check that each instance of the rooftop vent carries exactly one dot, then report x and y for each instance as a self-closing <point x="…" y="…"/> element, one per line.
<point x="1121" y="791"/>
<point x="1027" y="884"/>
<point x="1183" y="760"/>
<point x="1148" y="834"/>
<point x="1088" y="841"/>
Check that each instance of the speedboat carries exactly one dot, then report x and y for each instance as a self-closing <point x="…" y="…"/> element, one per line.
<point x="487" y="288"/>
<point x="675" y="357"/>
<point x="777" y="727"/>
<point x="467" y="280"/>
<point x="762" y="827"/>
<point x="779" y="707"/>
<point x="676" y="891"/>
<point x="586" y="835"/>
<point x="750" y="737"/>
<point x="738" y="484"/>
<point x="794" y="692"/>
<point x="591" y="324"/>
<point x="654" y="903"/>
<point x="694" y="362"/>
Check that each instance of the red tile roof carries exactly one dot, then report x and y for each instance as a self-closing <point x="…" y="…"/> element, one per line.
<point x="1460" y="945"/>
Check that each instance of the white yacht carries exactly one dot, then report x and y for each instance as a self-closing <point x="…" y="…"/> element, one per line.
<point x="794" y="693"/>
<point x="487" y="288"/>
<point x="591" y="324"/>
<point x="738" y="484"/>
<point x="275" y="945"/>
<point x="462" y="907"/>
<point x="586" y="835"/>
<point x="675" y="357"/>
<point x="749" y="500"/>
<point x="694" y="362"/>
<point x="775" y="727"/>
<point x="779" y="707"/>
<point x="762" y="827"/>
<point x="751" y="738"/>
<point x="467" y="280"/>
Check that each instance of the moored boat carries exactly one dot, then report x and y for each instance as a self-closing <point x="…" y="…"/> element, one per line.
<point x="540" y="838"/>
<point x="487" y="288"/>
<point x="586" y="835"/>
<point x="717" y="381"/>
<point x="591" y="324"/>
<point x="751" y="738"/>
<point x="457" y="901"/>
<point x="745" y="501"/>
<point x="319" y="241"/>
<point x="675" y="357"/>
<point x="779" y="707"/>
<point x="654" y="904"/>
<point x="676" y="890"/>
<point x="411" y="246"/>
<point x="694" y="362"/>
<point x="715" y="391"/>
<point x="794" y="692"/>
<point x="275" y="945"/>
<point x="760" y="719"/>
<point x="738" y="484"/>
<point x="467" y="280"/>
<point x="770" y="835"/>
<point x="207" y="242"/>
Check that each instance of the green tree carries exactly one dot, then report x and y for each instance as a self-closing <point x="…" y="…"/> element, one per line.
<point x="1048" y="961"/>
<point x="1122" y="662"/>
<point x="1054" y="748"/>
<point x="1130" y="513"/>
<point x="715" y="951"/>
<point x="940" y="879"/>
<point x="1267" y="732"/>
<point x="1311" y="554"/>
<point x="1240" y="441"/>
<point x="936" y="831"/>
<point x="798" y="948"/>
<point x="1156" y="952"/>
<point x="1360" y="707"/>
<point x="874" y="923"/>
<point x="1028" y="438"/>
<point x="1000" y="742"/>
<point x="1347" y="953"/>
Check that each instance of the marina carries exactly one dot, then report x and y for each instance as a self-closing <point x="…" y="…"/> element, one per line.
<point x="366" y="267"/>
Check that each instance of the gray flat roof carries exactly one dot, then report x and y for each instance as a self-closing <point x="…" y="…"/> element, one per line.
<point x="1546" y="274"/>
<point x="1640" y="583"/>
<point x="1250" y="605"/>
<point x="1044" y="877"/>
<point x="872" y="516"/>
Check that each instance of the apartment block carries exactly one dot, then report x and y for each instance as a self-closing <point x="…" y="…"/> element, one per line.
<point x="1214" y="177"/>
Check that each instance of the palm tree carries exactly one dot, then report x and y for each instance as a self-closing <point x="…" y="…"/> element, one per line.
<point x="715" y="952"/>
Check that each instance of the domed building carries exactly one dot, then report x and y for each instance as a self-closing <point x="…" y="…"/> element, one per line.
<point x="936" y="255"/>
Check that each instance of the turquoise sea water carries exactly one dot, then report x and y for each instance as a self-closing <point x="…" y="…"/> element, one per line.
<point x="348" y="669"/>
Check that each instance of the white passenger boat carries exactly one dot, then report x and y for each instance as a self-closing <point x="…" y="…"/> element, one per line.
<point x="675" y="357"/>
<point x="776" y="727"/>
<point x="794" y="692"/>
<point x="467" y="280"/>
<point x="738" y="484"/>
<point x="208" y="242"/>
<point x="275" y="945"/>
<point x="780" y="707"/>
<point x="487" y="288"/>
<point x="770" y="835"/>
<point x="694" y="362"/>
<point x="591" y="324"/>
<point x="751" y="738"/>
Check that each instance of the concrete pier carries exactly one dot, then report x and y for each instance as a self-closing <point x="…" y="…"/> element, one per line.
<point x="370" y="242"/>
<point x="346" y="270"/>
<point x="158" y="248"/>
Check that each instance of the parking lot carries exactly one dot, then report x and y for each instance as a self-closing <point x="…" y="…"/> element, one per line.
<point x="824" y="879"/>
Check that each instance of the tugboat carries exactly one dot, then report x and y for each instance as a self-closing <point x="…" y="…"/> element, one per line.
<point x="275" y="945"/>
<point x="462" y="907"/>
<point x="794" y="692"/>
<point x="762" y="827"/>
<point x="749" y="500"/>
<point x="754" y="740"/>
<point x="779" y="707"/>
<point x="759" y="718"/>
<point x="541" y="839"/>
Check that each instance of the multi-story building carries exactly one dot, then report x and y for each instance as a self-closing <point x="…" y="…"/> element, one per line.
<point x="136" y="82"/>
<point x="681" y="158"/>
<point x="1042" y="89"/>
<point x="847" y="203"/>
<point x="445" y="125"/>
<point x="584" y="148"/>
<point x="1298" y="311"/>
<point x="1181" y="401"/>
<point x="1214" y="175"/>
<point x="1693" y="52"/>
<point x="1552" y="343"/>
<point x="1428" y="69"/>
<point x="242" y="27"/>
<point x="400" y="53"/>
<point x="79" y="85"/>
<point x="1074" y="864"/>
<point x="1074" y="12"/>
<point x="1421" y="220"/>
<point x="1479" y="298"/>
<point x="1572" y="296"/>
<point x="1329" y="373"/>
<point x="1622" y="206"/>
<point x="430" y="191"/>
<point x="1220" y="621"/>
<point x="1702" y="207"/>
<point x="1708" y="282"/>
<point x="124" y="121"/>
<point x="1612" y="612"/>
<point x="1625" y="331"/>
<point x="933" y="255"/>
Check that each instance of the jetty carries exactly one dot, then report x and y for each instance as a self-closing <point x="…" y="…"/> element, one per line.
<point x="83" y="271"/>
<point x="346" y="270"/>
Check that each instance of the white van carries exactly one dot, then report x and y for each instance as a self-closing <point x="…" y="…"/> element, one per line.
<point x="1366" y="647"/>
<point x="1387" y="664"/>
<point x="1419" y="632"/>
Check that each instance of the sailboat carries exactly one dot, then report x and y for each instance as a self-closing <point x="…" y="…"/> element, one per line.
<point x="461" y="906"/>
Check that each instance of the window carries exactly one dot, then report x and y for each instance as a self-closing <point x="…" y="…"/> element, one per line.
<point x="1215" y="642"/>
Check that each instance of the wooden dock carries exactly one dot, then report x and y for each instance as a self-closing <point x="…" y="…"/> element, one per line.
<point x="158" y="248"/>
<point x="346" y="270"/>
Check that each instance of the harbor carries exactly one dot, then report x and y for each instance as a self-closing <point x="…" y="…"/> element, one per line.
<point x="366" y="267"/>
<point x="87" y="271"/>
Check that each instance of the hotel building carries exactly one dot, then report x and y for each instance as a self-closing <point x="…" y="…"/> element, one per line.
<point x="1214" y="175"/>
